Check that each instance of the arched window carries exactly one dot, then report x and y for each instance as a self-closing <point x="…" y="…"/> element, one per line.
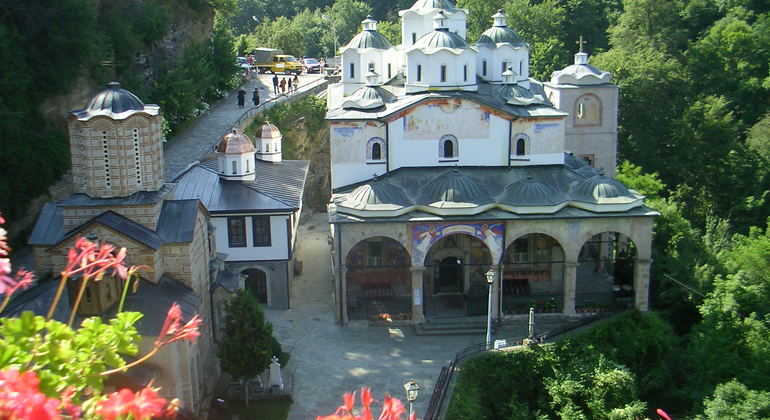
<point x="375" y="149"/>
<point x="520" y="146"/>
<point x="447" y="147"/>
<point x="588" y="110"/>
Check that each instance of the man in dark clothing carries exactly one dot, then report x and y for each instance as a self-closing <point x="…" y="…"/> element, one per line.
<point x="289" y="85"/>
<point x="241" y="97"/>
<point x="255" y="97"/>
<point x="275" y="84"/>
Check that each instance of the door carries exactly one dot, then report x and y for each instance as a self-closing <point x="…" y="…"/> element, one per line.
<point x="256" y="283"/>
<point x="450" y="275"/>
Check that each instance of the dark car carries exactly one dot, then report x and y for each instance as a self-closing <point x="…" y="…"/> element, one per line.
<point x="311" y="65"/>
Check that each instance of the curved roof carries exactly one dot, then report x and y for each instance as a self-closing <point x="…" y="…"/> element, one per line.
<point x="369" y="39"/>
<point x="441" y="38"/>
<point x="235" y="142"/>
<point x="501" y="34"/>
<point x="453" y="189"/>
<point x="268" y="131"/>
<point x="114" y="99"/>
<point x="529" y="192"/>
<point x="368" y="97"/>
<point x="519" y="95"/>
<point x="485" y="40"/>
<point x="378" y="195"/>
<point x="580" y="73"/>
<point x="434" y="4"/>
<point x="602" y="189"/>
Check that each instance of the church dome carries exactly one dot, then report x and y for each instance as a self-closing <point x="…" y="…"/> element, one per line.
<point x="376" y="195"/>
<point x="529" y="192"/>
<point x="433" y="4"/>
<point x="268" y="131"/>
<point x="485" y="40"/>
<point x="453" y="189"/>
<point x="602" y="189"/>
<point x="369" y="39"/>
<point x="114" y="100"/>
<point x="501" y="34"/>
<point x="441" y="38"/>
<point x="519" y="95"/>
<point x="235" y="142"/>
<point x="580" y="73"/>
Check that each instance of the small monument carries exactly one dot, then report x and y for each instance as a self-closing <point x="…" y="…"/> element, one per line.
<point x="274" y="379"/>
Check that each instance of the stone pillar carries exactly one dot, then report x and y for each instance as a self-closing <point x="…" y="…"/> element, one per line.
<point x="418" y="294"/>
<point x="570" y="287"/>
<point x="342" y="282"/>
<point x="641" y="283"/>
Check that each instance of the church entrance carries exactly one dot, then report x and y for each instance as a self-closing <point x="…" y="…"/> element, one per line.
<point x="450" y="275"/>
<point x="256" y="283"/>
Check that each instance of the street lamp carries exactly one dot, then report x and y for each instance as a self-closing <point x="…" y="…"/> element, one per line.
<point x="412" y="389"/>
<point x="334" y="33"/>
<point x="490" y="280"/>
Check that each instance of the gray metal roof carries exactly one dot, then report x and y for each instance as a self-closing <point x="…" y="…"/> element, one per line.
<point x="369" y="39"/>
<point x="122" y="225"/>
<point x="114" y="102"/>
<point x="140" y="198"/>
<point x="452" y="188"/>
<point x="154" y="300"/>
<point x="599" y="188"/>
<point x="226" y="279"/>
<point x="434" y="4"/>
<point x="519" y="95"/>
<point x="500" y="35"/>
<point x="177" y="220"/>
<point x="529" y="192"/>
<point x="441" y="38"/>
<point x="368" y="97"/>
<point x="49" y="226"/>
<point x="278" y="187"/>
<point x="379" y="193"/>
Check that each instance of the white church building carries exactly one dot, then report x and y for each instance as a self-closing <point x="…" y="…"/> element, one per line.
<point x="448" y="161"/>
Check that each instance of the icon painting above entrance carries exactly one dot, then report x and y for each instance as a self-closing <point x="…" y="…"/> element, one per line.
<point x="424" y="235"/>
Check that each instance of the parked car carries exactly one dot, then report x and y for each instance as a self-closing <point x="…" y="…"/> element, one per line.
<point x="311" y="65"/>
<point x="243" y="63"/>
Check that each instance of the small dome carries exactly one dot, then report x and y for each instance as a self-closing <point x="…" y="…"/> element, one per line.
<point x="375" y="195"/>
<point x="529" y="192"/>
<point x="485" y="40"/>
<point x="574" y="162"/>
<point x="502" y="34"/>
<point x="580" y="73"/>
<point x="235" y="142"/>
<point x="433" y="4"/>
<point x="453" y="188"/>
<point x="114" y="100"/>
<point x="441" y="39"/>
<point x="602" y="189"/>
<point x="368" y="97"/>
<point x="519" y="95"/>
<point x="369" y="39"/>
<point x="268" y="131"/>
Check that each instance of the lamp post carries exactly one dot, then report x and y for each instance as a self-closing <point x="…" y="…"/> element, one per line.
<point x="490" y="280"/>
<point x="412" y="389"/>
<point x="334" y="33"/>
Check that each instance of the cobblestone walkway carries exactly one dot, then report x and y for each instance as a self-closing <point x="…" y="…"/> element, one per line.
<point x="198" y="139"/>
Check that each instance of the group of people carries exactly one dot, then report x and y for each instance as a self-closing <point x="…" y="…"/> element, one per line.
<point x="285" y="83"/>
<point x="242" y="97"/>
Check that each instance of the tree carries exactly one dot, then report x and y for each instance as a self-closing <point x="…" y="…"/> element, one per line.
<point x="244" y="351"/>
<point x="540" y="24"/>
<point x="732" y="400"/>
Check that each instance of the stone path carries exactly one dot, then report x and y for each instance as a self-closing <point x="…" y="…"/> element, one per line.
<point x="199" y="138"/>
<point x="328" y="360"/>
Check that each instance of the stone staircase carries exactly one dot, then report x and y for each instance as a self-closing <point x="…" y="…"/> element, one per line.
<point x="476" y="325"/>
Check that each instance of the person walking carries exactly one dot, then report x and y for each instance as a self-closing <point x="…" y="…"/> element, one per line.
<point x="296" y="83"/>
<point x="283" y="86"/>
<point x="275" y="84"/>
<point x="290" y="88"/>
<point x="255" y="97"/>
<point x="241" y="97"/>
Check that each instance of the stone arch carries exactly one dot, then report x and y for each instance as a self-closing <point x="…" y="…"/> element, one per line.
<point x="448" y="147"/>
<point x="533" y="274"/>
<point x="520" y="145"/>
<point x="256" y="282"/>
<point x="637" y="238"/>
<point x="606" y="271"/>
<point x="587" y="110"/>
<point x="375" y="149"/>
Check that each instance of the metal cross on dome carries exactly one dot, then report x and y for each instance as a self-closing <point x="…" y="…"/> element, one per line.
<point x="112" y="64"/>
<point x="581" y="42"/>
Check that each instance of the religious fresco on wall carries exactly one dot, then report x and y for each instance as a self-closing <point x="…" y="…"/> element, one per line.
<point x="345" y="147"/>
<point x="462" y="119"/>
<point x="424" y="235"/>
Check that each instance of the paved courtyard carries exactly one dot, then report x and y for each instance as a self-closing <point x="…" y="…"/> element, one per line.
<point x="327" y="359"/>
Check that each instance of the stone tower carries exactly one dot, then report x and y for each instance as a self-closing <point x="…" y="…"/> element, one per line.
<point x="588" y="95"/>
<point x="116" y="145"/>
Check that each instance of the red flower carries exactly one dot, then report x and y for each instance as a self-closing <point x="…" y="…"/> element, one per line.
<point x="663" y="414"/>
<point x="392" y="408"/>
<point x="171" y="330"/>
<point x="91" y="260"/>
<point x="21" y="399"/>
<point x="145" y="404"/>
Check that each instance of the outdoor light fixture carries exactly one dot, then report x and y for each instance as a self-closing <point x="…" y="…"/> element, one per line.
<point x="412" y="389"/>
<point x="490" y="280"/>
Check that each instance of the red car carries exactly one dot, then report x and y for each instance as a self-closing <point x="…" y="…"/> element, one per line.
<point x="311" y="65"/>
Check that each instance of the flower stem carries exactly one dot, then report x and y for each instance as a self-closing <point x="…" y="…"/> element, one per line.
<point x="84" y="282"/>
<point x="125" y="292"/>
<point x="56" y="298"/>
<point x="132" y="364"/>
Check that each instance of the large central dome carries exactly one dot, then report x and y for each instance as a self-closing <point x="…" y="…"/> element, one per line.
<point x="114" y="100"/>
<point x="454" y="190"/>
<point x="441" y="39"/>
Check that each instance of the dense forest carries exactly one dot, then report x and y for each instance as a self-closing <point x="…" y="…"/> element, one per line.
<point x="694" y="138"/>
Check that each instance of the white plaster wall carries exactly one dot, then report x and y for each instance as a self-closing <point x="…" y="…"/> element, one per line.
<point x="348" y="150"/>
<point x="278" y="250"/>
<point x="422" y="24"/>
<point x="513" y="56"/>
<point x="546" y="138"/>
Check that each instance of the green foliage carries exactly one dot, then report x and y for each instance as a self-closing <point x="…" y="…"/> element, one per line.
<point x="65" y="357"/>
<point x="295" y="120"/>
<point x="539" y="23"/>
<point x="732" y="400"/>
<point x="245" y="349"/>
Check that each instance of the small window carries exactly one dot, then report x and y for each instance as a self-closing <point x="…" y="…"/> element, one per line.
<point x="414" y="37"/>
<point x="520" y="68"/>
<point x="504" y="67"/>
<point x="267" y="147"/>
<point x="465" y="73"/>
<point x="590" y="160"/>
<point x="248" y="169"/>
<point x="448" y="147"/>
<point x="261" y="229"/>
<point x="375" y="149"/>
<point x="352" y="74"/>
<point x="521" y="147"/>
<point x="236" y="232"/>
<point x="371" y="66"/>
<point x="235" y="167"/>
<point x="443" y="72"/>
<point x="483" y="67"/>
<point x="588" y="110"/>
<point x="419" y="72"/>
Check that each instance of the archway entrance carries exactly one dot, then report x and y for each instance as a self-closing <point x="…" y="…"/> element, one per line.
<point x="378" y="281"/>
<point x="450" y="275"/>
<point x="533" y="275"/>
<point x="605" y="273"/>
<point x="256" y="283"/>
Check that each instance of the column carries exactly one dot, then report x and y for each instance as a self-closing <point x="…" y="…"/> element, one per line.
<point x="418" y="295"/>
<point x="497" y="301"/>
<point x="342" y="282"/>
<point x="641" y="283"/>
<point x="570" y="287"/>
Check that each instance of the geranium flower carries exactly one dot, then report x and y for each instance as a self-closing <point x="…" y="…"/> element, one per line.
<point x="20" y="397"/>
<point x="142" y="405"/>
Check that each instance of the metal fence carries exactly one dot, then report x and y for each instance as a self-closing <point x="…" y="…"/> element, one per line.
<point x="437" y="402"/>
<point x="309" y="89"/>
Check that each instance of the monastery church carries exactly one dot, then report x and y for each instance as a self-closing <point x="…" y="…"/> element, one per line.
<point x="448" y="161"/>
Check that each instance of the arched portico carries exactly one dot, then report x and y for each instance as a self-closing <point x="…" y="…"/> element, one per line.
<point x="533" y="274"/>
<point x="377" y="279"/>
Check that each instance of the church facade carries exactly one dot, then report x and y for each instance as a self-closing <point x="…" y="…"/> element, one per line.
<point x="449" y="162"/>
